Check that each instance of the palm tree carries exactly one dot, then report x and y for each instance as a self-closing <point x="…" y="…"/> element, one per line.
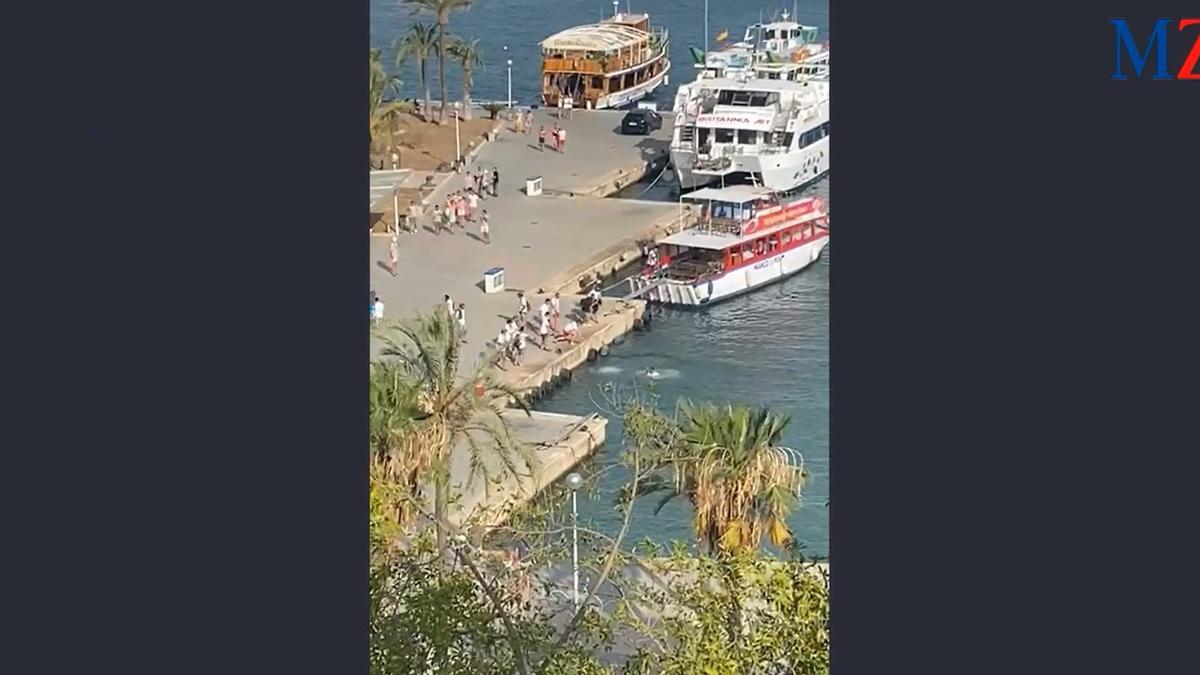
<point x="729" y="463"/>
<point x="470" y="56"/>
<point x="418" y="43"/>
<point x="422" y="410"/>
<point x="382" y="109"/>
<point x="441" y="9"/>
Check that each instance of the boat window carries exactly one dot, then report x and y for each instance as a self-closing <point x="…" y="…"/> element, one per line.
<point x="787" y="139"/>
<point x="769" y="34"/>
<point x="747" y="252"/>
<point x="597" y="82"/>
<point x="703" y="136"/>
<point x="747" y="137"/>
<point x="723" y="135"/>
<point x="787" y="236"/>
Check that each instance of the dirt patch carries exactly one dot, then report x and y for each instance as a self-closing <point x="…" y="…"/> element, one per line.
<point x="428" y="145"/>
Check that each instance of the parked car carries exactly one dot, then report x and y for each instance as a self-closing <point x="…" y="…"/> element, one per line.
<point x="641" y="121"/>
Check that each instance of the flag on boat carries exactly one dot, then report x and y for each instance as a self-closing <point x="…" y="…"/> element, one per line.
<point x="722" y="35"/>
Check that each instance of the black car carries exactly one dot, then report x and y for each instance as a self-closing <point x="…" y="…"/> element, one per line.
<point x="641" y="121"/>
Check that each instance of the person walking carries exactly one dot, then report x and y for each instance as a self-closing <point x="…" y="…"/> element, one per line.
<point x="522" y="308"/>
<point x="544" y="332"/>
<point x="495" y="181"/>
<point x="542" y="138"/>
<point x="377" y="312"/>
<point x="519" y="350"/>
<point x="393" y="252"/>
<point x="485" y="231"/>
<point x="554" y="138"/>
<point x="562" y="139"/>
<point x="460" y="318"/>
<point x="461" y="211"/>
<point x="472" y="205"/>
<point x="414" y="212"/>
<point x="555" y="312"/>
<point x="451" y="212"/>
<point x="449" y="306"/>
<point x="544" y="310"/>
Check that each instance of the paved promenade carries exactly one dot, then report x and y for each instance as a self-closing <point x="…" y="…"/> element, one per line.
<point x="534" y="238"/>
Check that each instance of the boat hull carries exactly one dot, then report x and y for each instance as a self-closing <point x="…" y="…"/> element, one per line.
<point x="734" y="282"/>
<point x="621" y="99"/>
<point x="781" y="172"/>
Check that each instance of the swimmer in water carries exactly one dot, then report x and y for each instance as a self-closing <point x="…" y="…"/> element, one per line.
<point x="652" y="372"/>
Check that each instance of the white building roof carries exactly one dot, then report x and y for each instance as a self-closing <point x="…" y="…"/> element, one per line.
<point x="735" y="194"/>
<point x="596" y="37"/>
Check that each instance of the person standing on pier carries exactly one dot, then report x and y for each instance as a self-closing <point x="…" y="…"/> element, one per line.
<point x="460" y="318"/>
<point x="393" y="252"/>
<point x="522" y="308"/>
<point x="495" y="181"/>
<point x="485" y="232"/>
<point x="544" y="333"/>
<point x="472" y="205"/>
<point x="542" y="138"/>
<point x="544" y="310"/>
<point x="413" y="212"/>
<point x="377" y="312"/>
<point x="555" y="312"/>
<point x="519" y="352"/>
<point x="562" y="140"/>
<point x="449" y="306"/>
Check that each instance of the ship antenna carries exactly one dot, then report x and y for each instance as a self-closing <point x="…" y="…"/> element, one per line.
<point x="616" y="8"/>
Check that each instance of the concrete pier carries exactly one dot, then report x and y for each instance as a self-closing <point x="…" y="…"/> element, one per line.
<point x="558" y="441"/>
<point x="546" y="244"/>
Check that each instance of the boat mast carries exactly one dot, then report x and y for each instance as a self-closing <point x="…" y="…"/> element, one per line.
<point x="706" y="33"/>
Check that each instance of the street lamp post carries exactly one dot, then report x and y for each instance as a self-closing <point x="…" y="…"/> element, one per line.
<point x="457" y="142"/>
<point x="575" y="481"/>
<point x="509" y="62"/>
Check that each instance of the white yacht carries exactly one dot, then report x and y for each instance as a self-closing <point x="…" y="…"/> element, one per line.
<point x="768" y="125"/>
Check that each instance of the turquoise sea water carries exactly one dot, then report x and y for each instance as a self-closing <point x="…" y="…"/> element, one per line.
<point x="521" y="24"/>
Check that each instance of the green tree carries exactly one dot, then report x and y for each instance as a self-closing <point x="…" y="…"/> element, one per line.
<point x="442" y="11"/>
<point x="419" y="42"/>
<point x="450" y="411"/>
<point x="743" y="614"/>
<point x="728" y="462"/>
<point x="382" y="109"/>
<point x="469" y="56"/>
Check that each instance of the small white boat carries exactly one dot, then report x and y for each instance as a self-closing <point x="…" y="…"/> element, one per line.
<point x="746" y="237"/>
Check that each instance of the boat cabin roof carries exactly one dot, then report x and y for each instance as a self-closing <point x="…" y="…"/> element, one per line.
<point x="751" y="82"/>
<point x="732" y="194"/>
<point x="606" y="36"/>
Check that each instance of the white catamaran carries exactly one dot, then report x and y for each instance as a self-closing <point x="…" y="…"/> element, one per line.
<point x="758" y="111"/>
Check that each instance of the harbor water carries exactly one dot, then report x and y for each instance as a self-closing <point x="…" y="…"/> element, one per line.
<point x="520" y="25"/>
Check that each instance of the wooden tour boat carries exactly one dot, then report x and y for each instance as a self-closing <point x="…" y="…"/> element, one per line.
<point x="609" y="64"/>
<point x="746" y="237"/>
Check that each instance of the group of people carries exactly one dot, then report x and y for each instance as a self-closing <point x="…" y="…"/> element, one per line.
<point x="511" y="341"/>
<point x="558" y="136"/>
<point x="459" y="208"/>
<point x="590" y="304"/>
<point x="523" y="121"/>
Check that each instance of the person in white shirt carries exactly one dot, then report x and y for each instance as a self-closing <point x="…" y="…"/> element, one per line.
<point x="571" y="331"/>
<point x="522" y="306"/>
<point x="449" y="307"/>
<point x="544" y="332"/>
<point x="461" y="319"/>
<point x="544" y="309"/>
<point x="377" y="311"/>
<point x="472" y="204"/>
<point x="555" y="312"/>
<point x="520" y="351"/>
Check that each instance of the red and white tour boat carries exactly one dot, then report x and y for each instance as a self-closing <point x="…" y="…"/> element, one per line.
<point x="746" y="237"/>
